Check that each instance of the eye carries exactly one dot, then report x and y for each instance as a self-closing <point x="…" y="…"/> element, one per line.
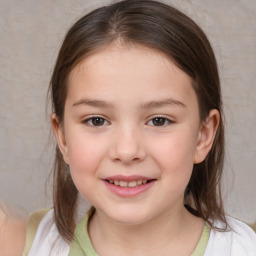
<point x="159" y="121"/>
<point x="96" y="121"/>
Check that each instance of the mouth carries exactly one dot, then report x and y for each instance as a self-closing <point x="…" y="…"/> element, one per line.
<point x="129" y="184"/>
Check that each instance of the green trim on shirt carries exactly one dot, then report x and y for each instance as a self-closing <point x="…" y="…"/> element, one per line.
<point x="82" y="246"/>
<point x="201" y="246"/>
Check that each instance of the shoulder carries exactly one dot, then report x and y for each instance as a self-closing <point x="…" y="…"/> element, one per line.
<point x="32" y="227"/>
<point x="12" y="230"/>
<point x="240" y="240"/>
<point x="243" y="235"/>
<point x="42" y="236"/>
<point x="241" y="229"/>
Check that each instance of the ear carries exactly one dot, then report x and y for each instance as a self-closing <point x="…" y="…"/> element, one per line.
<point x="206" y="135"/>
<point x="58" y="130"/>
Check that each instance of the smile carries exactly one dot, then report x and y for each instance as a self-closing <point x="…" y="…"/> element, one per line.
<point x="128" y="184"/>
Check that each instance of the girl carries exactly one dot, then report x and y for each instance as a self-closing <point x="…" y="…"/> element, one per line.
<point x="137" y="115"/>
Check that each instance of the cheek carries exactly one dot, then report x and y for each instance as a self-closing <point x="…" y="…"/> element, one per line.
<point x="175" y="154"/>
<point x="85" y="154"/>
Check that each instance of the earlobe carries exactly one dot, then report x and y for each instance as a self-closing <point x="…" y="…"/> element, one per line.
<point x="59" y="135"/>
<point x="206" y="135"/>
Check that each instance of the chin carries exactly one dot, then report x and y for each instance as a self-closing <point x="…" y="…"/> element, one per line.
<point x="129" y="217"/>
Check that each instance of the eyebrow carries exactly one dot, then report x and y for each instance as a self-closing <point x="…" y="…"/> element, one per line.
<point x="146" y="105"/>
<point x="93" y="103"/>
<point x="162" y="103"/>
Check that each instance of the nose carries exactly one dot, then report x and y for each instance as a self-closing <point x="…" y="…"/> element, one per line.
<point x="127" y="146"/>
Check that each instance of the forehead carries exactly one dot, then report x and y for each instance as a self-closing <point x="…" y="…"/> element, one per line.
<point x="126" y="54"/>
<point x="119" y="70"/>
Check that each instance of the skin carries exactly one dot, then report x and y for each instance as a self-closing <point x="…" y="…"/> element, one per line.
<point x="128" y="87"/>
<point x="12" y="231"/>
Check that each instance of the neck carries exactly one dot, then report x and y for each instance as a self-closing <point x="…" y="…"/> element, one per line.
<point x="167" y="231"/>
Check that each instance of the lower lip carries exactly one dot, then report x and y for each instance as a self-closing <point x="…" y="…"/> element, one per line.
<point x="128" y="192"/>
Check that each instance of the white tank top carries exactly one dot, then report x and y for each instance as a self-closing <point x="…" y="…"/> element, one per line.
<point x="240" y="241"/>
<point x="47" y="241"/>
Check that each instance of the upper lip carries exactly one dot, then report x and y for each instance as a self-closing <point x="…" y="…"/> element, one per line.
<point x="127" y="178"/>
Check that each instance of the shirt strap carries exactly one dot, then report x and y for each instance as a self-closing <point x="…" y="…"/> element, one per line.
<point x="32" y="225"/>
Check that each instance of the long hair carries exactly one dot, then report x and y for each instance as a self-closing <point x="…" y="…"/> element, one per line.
<point x="165" y="29"/>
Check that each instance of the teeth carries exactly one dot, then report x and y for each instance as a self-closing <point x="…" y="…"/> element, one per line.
<point x="123" y="184"/>
<point x="130" y="184"/>
<point x="116" y="182"/>
<point x="139" y="182"/>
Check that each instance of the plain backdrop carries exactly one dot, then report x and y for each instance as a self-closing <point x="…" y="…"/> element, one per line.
<point x="31" y="32"/>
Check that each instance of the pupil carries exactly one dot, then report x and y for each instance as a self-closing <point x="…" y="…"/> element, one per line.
<point x="159" y="121"/>
<point x="97" y="121"/>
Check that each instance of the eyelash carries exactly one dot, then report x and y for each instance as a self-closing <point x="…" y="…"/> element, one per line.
<point x="89" y="121"/>
<point x="166" y="121"/>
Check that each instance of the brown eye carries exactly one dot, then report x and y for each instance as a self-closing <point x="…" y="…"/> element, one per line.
<point x="159" y="121"/>
<point x="96" y="121"/>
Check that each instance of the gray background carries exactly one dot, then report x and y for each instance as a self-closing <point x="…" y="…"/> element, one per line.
<point x="31" y="32"/>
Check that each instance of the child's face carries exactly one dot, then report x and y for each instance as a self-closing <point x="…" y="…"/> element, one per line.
<point x="131" y="116"/>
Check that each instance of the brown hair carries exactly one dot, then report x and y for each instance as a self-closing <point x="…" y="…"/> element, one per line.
<point x="165" y="29"/>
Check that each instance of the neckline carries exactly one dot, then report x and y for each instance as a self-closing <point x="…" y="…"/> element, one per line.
<point x="81" y="245"/>
<point x="202" y="243"/>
